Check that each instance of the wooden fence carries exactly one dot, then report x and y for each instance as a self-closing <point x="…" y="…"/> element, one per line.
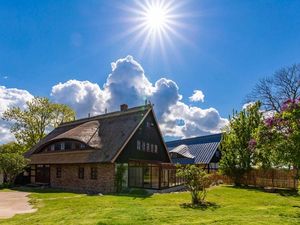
<point x="274" y="178"/>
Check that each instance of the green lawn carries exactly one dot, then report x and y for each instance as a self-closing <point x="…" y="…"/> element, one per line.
<point x="228" y="206"/>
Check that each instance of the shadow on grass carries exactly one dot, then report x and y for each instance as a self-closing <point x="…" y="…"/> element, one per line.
<point x="204" y="206"/>
<point x="135" y="193"/>
<point x="279" y="191"/>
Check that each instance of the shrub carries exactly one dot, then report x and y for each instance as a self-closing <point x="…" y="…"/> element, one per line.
<point x="196" y="180"/>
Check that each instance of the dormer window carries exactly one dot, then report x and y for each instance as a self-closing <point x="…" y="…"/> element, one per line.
<point x="68" y="145"/>
<point x="57" y="146"/>
<point x="65" y="146"/>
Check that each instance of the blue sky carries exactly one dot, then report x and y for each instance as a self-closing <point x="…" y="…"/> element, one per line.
<point x="228" y="45"/>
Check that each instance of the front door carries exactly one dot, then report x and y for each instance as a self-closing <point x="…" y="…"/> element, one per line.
<point x="42" y="174"/>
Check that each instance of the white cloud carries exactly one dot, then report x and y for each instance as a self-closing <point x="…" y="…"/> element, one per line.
<point x="10" y="97"/>
<point x="198" y="96"/>
<point x="83" y="96"/>
<point x="248" y="104"/>
<point x="127" y="83"/>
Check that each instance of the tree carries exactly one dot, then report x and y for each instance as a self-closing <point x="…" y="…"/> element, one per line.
<point x="119" y="177"/>
<point x="12" y="161"/>
<point x="237" y="143"/>
<point x="40" y="115"/>
<point x="281" y="136"/>
<point x="196" y="181"/>
<point x="273" y="91"/>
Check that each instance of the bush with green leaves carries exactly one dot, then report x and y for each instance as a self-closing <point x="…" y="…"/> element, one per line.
<point x="196" y="180"/>
<point x="12" y="161"/>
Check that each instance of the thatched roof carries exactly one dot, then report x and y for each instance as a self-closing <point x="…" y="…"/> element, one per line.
<point x="105" y="135"/>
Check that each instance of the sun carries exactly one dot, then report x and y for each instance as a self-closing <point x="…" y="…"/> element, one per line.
<point x="156" y="18"/>
<point x="153" y="26"/>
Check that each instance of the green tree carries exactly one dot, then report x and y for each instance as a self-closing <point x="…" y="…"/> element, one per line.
<point x="30" y="125"/>
<point x="279" y="137"/>
<point x="237" y="143"/>
<point x="119" y="177"/>
<point x="196" y="180"/>
<point x="12" y="161"/>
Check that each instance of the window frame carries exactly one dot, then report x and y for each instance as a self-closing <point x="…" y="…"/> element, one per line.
<point x="81" y="173"/>
<point x="58" y="172"/>
<point x="94" y="173"/>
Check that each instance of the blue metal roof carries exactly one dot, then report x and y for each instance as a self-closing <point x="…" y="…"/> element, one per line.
<point x="202" y="148"/>
<point x="183" y="150"/>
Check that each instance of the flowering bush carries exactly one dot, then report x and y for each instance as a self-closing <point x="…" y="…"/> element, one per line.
<point x="278" y="138"/>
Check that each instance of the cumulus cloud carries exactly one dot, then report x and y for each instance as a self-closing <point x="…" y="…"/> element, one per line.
<point x="198" y="96"/>
<point x="83" y="96"/>
<point x="127" y="83"/>
<point x="10" y="97"/>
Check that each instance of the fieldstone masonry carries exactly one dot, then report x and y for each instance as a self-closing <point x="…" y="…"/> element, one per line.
<point x="70" y="180"/>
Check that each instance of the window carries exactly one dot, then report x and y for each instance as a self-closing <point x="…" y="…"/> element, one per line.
<point x="152" y="148"/>
<point x="52" y="148"/>
<point x="155" y="148"/>
<point x="138" y="145"/>
<point x="94" y="173"/>
<point x="68" y="145"/>
<point x="143" y="146"/>
<point x="57" y="146"/>
<point x="62" y="146"/>
<point x="82" y="146"/>
<point x="148" y="147"/>
<point x="81" y="173"/>
<point x="58" y="172"/>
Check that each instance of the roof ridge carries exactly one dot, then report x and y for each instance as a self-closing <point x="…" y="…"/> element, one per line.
<point x="108" y="115"/>
<point x="193" y="138"/>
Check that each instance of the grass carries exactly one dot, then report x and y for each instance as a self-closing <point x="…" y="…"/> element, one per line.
<point x="227" y="205"/>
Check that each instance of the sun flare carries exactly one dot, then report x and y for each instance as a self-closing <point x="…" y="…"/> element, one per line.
<point x="155" y="25"/>
<point x="156" y="18"/>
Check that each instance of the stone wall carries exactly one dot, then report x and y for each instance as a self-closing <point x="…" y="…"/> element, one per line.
<point x="70" y="180"/>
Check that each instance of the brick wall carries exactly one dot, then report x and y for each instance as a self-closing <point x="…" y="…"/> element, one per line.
<point x="69" y="177"/>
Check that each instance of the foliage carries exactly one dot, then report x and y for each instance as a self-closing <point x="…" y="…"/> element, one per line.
<point x="40" y="115"/>
<point x="273" y="91"/>
<point x="12" y="162"/>
<point x="233" y="206"/>
<point x="119" y="177"/>
<point x="196" y="181"/>
<point x="279" y="136"/>
<point x="237" y="143"/>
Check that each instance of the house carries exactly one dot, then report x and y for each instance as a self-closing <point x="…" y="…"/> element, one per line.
<point x="84" y="154"/>
<point x="203" y="150"/>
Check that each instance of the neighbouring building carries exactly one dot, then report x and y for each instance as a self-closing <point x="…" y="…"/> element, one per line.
<point x="203" y="151"/>
<point x="84" y="154"/>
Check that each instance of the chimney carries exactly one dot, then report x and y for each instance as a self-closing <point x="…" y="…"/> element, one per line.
<point x="123" y="107"/>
